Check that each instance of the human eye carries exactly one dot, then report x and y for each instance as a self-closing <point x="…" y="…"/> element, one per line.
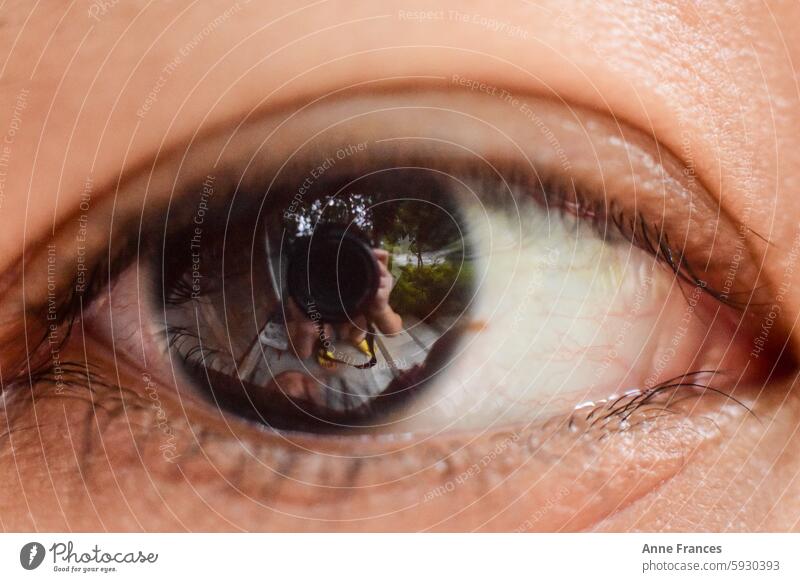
<point x="546" y="277"/>
<point x="518" y="285"/>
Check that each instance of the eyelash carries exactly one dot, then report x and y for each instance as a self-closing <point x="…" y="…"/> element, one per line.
<point x="646" y="235"/>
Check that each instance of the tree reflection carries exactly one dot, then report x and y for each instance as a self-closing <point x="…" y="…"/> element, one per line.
<point x="421" y="229"/>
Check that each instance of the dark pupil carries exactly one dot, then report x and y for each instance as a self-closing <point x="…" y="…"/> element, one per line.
<point x="332" y="271"/>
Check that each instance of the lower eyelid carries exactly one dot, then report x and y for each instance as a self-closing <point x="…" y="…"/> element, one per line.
<point x="304" y="482"/>
<point x="288" y="481"/>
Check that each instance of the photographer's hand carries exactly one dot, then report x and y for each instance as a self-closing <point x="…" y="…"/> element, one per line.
<point x="386" y="319"/>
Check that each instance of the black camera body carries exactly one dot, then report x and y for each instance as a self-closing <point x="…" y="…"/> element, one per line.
<point x="332" y="273"/>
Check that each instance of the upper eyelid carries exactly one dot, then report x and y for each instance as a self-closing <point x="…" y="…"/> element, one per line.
<point x="130" y="178"/>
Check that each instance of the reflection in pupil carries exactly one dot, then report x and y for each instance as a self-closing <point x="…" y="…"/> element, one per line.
<point x="367" y="296"/>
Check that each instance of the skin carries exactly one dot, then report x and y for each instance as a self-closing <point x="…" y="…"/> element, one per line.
<point x="716" y="85"/>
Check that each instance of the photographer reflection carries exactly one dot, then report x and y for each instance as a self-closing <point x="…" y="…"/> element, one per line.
<point x="363" y="300"/>
<point x="308" y="334"/>
<point x="321" y="345"/>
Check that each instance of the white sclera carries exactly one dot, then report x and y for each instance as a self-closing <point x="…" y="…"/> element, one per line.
<point x="564" y="315"/>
